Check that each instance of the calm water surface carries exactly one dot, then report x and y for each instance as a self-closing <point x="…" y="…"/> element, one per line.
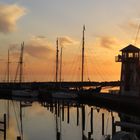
<point x="42" y="121"/>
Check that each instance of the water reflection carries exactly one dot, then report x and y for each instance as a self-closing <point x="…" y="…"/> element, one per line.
<point x="63" y="120"/>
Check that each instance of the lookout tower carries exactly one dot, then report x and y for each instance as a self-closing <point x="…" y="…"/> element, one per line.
<point x="130" y="71"/>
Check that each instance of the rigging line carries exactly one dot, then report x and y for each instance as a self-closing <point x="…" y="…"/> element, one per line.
<point x="74" y="60"/>
<point x="16" y="73"/>
<point x="75" y="57"/>
<point x="100" y="71"/>
<point x="102" y="64"/>
<point x="75" y="72"/>
<point x="95" y="67"/>
<point x="137" y="34"/>
<point x="97" y="70"/>
<point x="73" y="67"/>
<point x="86" y="70"/>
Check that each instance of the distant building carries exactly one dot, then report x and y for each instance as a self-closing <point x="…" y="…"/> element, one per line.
<point x="130" y="71"/>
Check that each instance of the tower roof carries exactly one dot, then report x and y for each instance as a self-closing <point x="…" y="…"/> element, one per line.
<point x="130" y="48"/>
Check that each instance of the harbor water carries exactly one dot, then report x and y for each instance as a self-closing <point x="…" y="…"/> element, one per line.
<point x="53" y="120"/>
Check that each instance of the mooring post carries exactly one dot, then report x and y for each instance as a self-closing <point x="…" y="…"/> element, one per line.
<point x="113" y="126"/>
<point x="89" y="135"/>
<point x="47" y="106"/>
<point x="58" y="135"/>
<point x="68" y="114"/>
<point x="91" y="120"/>
<point x="63" y="111"/>
<point x="77" y="115"/>
<point x="102" y="123"/>
<point x="55" y="108"/>
<point x="52" y="109"/>
<point x="58" y="105"/>
<point x="18" y="138"/>
<point x="83" y="117"/>
<point x="4" y="126"/>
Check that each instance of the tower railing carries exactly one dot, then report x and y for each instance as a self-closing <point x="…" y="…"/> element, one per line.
<point x="121" y="58"/>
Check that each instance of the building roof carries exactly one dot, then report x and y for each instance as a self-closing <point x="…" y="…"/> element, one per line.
<point x="130" y="48"/>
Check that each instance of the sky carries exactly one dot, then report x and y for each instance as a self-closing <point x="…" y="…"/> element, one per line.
<point x="110" y="26"/>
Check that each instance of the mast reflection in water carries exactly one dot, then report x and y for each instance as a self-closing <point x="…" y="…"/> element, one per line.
<point x="64" y="120"/>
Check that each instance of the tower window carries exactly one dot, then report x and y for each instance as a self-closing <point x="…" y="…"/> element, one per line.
<point x="130" y="55"/>
<point x="136" y="55"/>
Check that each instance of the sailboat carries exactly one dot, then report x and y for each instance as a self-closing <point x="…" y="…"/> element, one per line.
<point x="73" y="93"/>
<point x="86" y="92"/>
<point x="22" y="92"/>
<point x="58" y="91"/>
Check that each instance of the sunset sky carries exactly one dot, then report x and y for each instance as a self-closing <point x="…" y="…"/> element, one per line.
<point x="110" y="26"/>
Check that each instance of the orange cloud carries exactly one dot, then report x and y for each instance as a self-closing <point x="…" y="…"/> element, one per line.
<point x="108" y="42"/>
<point x="37" y="46"/>
<point x="66" y="40"/>
<point x="9" y="15"/>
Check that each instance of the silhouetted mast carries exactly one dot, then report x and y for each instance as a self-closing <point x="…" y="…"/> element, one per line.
<point x="8" y="80"/>
<point x="83" y="49"/>
<point x="61" y="64"/>
<point x="8" y="68"/>
<point x="21" y="63"/>
<point x="57" y="51"/>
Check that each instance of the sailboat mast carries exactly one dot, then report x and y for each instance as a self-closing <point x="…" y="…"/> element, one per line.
<point x="57" y="51"/>
<point x="61" y="64"/>
<point x="8" y="68"/>
<point x="21" y="63"/>
<point x="83" y="51"/>
<point x="8" y="80"/>
<point x="21" y="80"/>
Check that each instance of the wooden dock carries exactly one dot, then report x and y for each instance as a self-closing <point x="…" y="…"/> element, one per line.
<point x="65" y="84"/>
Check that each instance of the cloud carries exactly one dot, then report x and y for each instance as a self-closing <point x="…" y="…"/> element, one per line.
<point x="130" y="25"/>
<point x="108" y="42"/>
<point x="9" y="15"/>
<point x="66" y="40"/>
<point x="39" y="47"/>
<point x="36" y="46"/>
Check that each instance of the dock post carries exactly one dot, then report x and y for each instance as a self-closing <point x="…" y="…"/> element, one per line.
<point x="83" y="117"/>
<point x="58" y="135"/>
<point x="89" y="135"/>
<point x="77" y="115"/>
<point x="4" y="126"/>
<point x="51" y="107"/>
<point x="102" y="123"/>
<point x="58" y="106"/>
<point x="55" y="108"/>
<point x="68" y="114"/>
<point x="91" y="120"/>
<point x="63" y="111"/>
<point x="18" y="138"/>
